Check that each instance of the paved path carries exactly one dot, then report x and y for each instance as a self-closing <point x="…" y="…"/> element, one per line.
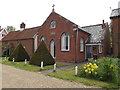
<point x="16" y="78"/>
<point x="62" y="68"/>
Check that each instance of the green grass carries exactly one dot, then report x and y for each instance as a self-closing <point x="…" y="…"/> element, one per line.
<point x="28" y="67"/>
<point x="68" y="74"/>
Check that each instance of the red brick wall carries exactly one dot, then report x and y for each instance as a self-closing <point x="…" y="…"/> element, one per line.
<point x="81" y="55"/>
<point x="116" y="36"/>
<point x="63" y="25"/>
<point x="28" y="44"/>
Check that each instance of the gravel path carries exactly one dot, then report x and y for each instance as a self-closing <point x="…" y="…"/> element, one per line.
<point x="16" y="78"/>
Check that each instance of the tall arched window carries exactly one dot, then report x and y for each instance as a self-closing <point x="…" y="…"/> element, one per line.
<point x="65" y="42"/>
<point x="81" y="44"/>
<point x="52" y="48"/>
<point x="43" y="38"/>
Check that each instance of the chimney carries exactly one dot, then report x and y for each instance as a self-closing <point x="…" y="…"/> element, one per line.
<point x="22" y="26"/>
<point x="103" y="22"/>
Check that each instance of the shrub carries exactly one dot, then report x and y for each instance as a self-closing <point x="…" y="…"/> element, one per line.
<point x="107" y="69"/>
<point x="19" y="54"/>
<point x="42" y="54"/>
<point x="89" y="70"/>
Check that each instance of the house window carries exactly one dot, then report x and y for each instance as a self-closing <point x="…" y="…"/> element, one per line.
<point x="52" y="48"/>
<point x="35" y="43"/>
<point x="81" y="44"/>
<point x="65" y="42"/>
<point x="53" y="24"/>
<point x="100" y="48"/>
<point x="43" y="39"/>
<point x="3" y="35"/>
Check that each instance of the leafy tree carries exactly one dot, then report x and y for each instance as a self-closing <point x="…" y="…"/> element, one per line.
<point x="10" y="28"/>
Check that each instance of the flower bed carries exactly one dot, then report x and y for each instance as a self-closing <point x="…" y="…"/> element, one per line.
<point x="104" y="69"/>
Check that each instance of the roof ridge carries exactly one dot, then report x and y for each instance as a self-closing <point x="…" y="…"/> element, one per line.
<point x="91" y="25"/>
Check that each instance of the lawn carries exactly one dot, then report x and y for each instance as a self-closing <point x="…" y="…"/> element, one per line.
<point x="28" y="67"/>
<point x="68" y="74"/>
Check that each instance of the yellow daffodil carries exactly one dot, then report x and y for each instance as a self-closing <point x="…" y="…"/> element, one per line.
<point x="92" y="69"/>
<point x="84" y="67"/>
<point x="88" y="65"/>
<point x="86" y="70"/>
<point x="95" y="73"/>
<point x="89" y="72"/>
<point x="94" y="64"/>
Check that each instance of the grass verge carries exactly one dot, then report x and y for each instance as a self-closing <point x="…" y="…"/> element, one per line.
<point x="28" y="67"/>
<point x="68" y="74"/>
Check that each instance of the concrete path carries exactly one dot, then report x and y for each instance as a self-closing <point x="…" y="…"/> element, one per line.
<point x="16" y="78"/>
<point x="62" y="68"/>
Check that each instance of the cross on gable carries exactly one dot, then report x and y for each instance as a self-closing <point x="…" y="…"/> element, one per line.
<point x="53" y="7"/>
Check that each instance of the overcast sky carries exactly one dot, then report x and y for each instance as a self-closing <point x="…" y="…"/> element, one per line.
<point x="35" y="12"/>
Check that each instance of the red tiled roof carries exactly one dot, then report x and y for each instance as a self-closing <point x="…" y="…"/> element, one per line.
<point x="25" y="34"/>
<point x="10" y="36"/>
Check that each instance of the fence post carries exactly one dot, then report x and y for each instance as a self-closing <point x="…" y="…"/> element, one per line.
<point x="5" y="58"/>
<point x="76" y="70"/>
<point x="13" y="60"/>
<point x="42" y="65"/>
<point x="55" y="67"/>
<point x="25" y="61"/>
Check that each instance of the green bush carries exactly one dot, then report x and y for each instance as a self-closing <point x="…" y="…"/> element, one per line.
<point x="108" y="70"/>
<point x="42" y="54"/>
<point x="19" y="54"/>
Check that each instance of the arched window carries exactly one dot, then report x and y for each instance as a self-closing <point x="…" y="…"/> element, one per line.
<point x="65" y="42"/>
<point x="81" y="44"/>
<point x="53" y="24"/>
<point x="52" y="48"/>
<point x="43" y="38"/>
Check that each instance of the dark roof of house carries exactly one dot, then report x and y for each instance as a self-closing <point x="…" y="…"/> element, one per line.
<point x="115" y="13"/>
<point x="25" y="34"/>
<point x="96" y="31"/>
<point x="1" y="30"/>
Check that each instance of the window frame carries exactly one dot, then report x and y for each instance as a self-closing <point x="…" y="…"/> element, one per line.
<point x="53" y="24"/>
<point x="100" y="48"/>
<point x="64" y="37"/>
<point x="81" y="44"/>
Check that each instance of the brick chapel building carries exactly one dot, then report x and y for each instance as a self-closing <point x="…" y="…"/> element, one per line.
<point x="66" y="41"/>
<point x="115" y="25"/>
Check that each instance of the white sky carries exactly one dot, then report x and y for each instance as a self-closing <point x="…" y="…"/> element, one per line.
<point x="35" y="12"/>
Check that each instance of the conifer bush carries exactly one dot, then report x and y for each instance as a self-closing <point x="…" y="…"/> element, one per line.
<point x="19" y="54"/>
<point x="42" y="54"/>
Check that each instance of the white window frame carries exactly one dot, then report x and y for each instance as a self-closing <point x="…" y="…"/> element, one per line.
<point x="52" y="49"/>
<point x="53" y="24"/>
<point x="100" y="48"/>
<point x="35" y="43"/>
<point x="63" y="42"/>
<point x="81" y="44"/>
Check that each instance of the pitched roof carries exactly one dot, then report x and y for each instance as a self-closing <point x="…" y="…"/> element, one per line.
<point x="65" y="19"/>
<point x="115" y="13"/>
<point x="25" y="34"/>
<point x="1" y="30"/>
<point x="96" y="31"/>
